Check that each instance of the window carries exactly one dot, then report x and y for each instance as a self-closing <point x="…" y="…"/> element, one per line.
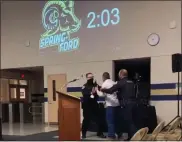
<point x="23" y="82"/>
<point x="13" y="81"/>
<point x="22" y="93"/>
<point x="18" y="90"/>
<point x="13" y="93"/>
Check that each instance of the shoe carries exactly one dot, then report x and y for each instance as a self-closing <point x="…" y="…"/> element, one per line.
<point x="83" y="136"/>
<point x="111" y="138"/>
<point x="120" y="138"/>
<point x="101" y="135"/>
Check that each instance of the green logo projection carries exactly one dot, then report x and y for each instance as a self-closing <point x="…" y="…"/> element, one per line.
<point x="59" y="22"/>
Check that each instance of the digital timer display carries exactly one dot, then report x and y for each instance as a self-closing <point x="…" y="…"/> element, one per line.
<point x="105" y="18"/>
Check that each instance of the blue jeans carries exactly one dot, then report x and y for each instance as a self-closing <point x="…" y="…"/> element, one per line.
<point x="110" y="117"/>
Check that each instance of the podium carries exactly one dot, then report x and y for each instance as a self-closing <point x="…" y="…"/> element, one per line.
<point x="68" y="117"/>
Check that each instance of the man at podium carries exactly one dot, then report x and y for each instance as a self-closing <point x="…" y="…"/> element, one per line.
<point x="90" y="106"/>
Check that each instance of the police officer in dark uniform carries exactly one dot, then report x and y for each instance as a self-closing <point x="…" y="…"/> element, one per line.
<point x="126" y="95"/>
<point x="90" y="106"/>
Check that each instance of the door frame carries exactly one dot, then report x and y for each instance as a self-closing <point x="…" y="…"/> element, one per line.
<point x="128" y="59"/>
<point x="51" y="102"/>
<point x="143" y="60"/>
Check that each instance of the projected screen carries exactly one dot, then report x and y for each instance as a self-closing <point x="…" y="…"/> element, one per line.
<point x="75" y="25"/>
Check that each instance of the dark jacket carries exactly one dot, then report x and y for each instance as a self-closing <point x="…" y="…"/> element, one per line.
<point x="125" y="90"/>
<point x="86" y="92"/>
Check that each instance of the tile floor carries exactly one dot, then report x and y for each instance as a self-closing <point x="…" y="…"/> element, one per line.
<point x="27" y="130"/>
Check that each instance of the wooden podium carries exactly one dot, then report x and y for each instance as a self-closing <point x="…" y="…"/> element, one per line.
<point x="68" y="117"/>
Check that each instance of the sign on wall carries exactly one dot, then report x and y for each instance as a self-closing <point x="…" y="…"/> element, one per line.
<point x="60" y="22"/>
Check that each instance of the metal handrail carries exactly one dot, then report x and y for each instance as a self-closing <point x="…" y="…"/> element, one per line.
<point x="34" y="113"/>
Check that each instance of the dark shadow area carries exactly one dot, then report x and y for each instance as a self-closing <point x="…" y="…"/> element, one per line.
<point x="138" y="70"/>
<point x="16" y="114"/>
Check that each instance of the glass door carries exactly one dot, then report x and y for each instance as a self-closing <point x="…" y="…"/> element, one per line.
<point x="23" y="93"/>
<point x="13" y="92"/>
<point x="13" y="89"/>
<point x="18" y="90"/>
<point x="23" y="90"/>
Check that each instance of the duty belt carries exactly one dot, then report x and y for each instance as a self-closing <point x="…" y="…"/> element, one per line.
<point x="128" y="101"/>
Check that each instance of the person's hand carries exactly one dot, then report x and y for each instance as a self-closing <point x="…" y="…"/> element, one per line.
<point x="96" y="88"/>
<point x="93" y="90"/>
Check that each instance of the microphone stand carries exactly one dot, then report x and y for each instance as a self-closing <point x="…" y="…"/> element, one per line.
<point x="64" y="85"/>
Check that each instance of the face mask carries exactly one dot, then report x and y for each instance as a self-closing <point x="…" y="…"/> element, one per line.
<point x="90" y="81"/>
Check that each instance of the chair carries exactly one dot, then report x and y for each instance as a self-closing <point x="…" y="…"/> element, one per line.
<point x="155" y="132"/>
<point x="174" y="125"/>
<point x="171" y="130"/>
<point x="140" y="134"/>
<point x="173" y="137"/>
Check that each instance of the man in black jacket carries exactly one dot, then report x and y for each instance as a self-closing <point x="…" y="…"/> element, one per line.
<point x="90" y="106"/>
<point x="126" y="95"/>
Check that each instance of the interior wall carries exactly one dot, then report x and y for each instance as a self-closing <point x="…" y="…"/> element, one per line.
<point x="164" y="88"/>
<point x="15" y="74"/>
<point x="38" y="83"/>
<point x="161" y="79"/>
<point x="75" y="71"/>
<point x="126" y="40"/>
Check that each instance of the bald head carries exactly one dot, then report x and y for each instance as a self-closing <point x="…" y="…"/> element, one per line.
<point x="123" y="73"/>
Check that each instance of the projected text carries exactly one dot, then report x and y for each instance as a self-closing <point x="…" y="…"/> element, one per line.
<point x="59" y="21"/>
<point x="63" y="40"/>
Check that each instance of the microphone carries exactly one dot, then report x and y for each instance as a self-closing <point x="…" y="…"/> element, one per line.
<point x="76" y="79"/>
<point x="71" y="81"/>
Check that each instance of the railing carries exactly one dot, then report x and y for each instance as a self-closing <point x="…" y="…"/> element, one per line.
<point x="37" y="112"/>
<point x="34" y="112"/>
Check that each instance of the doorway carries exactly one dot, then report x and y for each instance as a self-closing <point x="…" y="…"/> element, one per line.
<point x="55" y="82"/>
<point x="138" y="71"/>
<point x="22" y="91"/>
<point x="18" y="90"/>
